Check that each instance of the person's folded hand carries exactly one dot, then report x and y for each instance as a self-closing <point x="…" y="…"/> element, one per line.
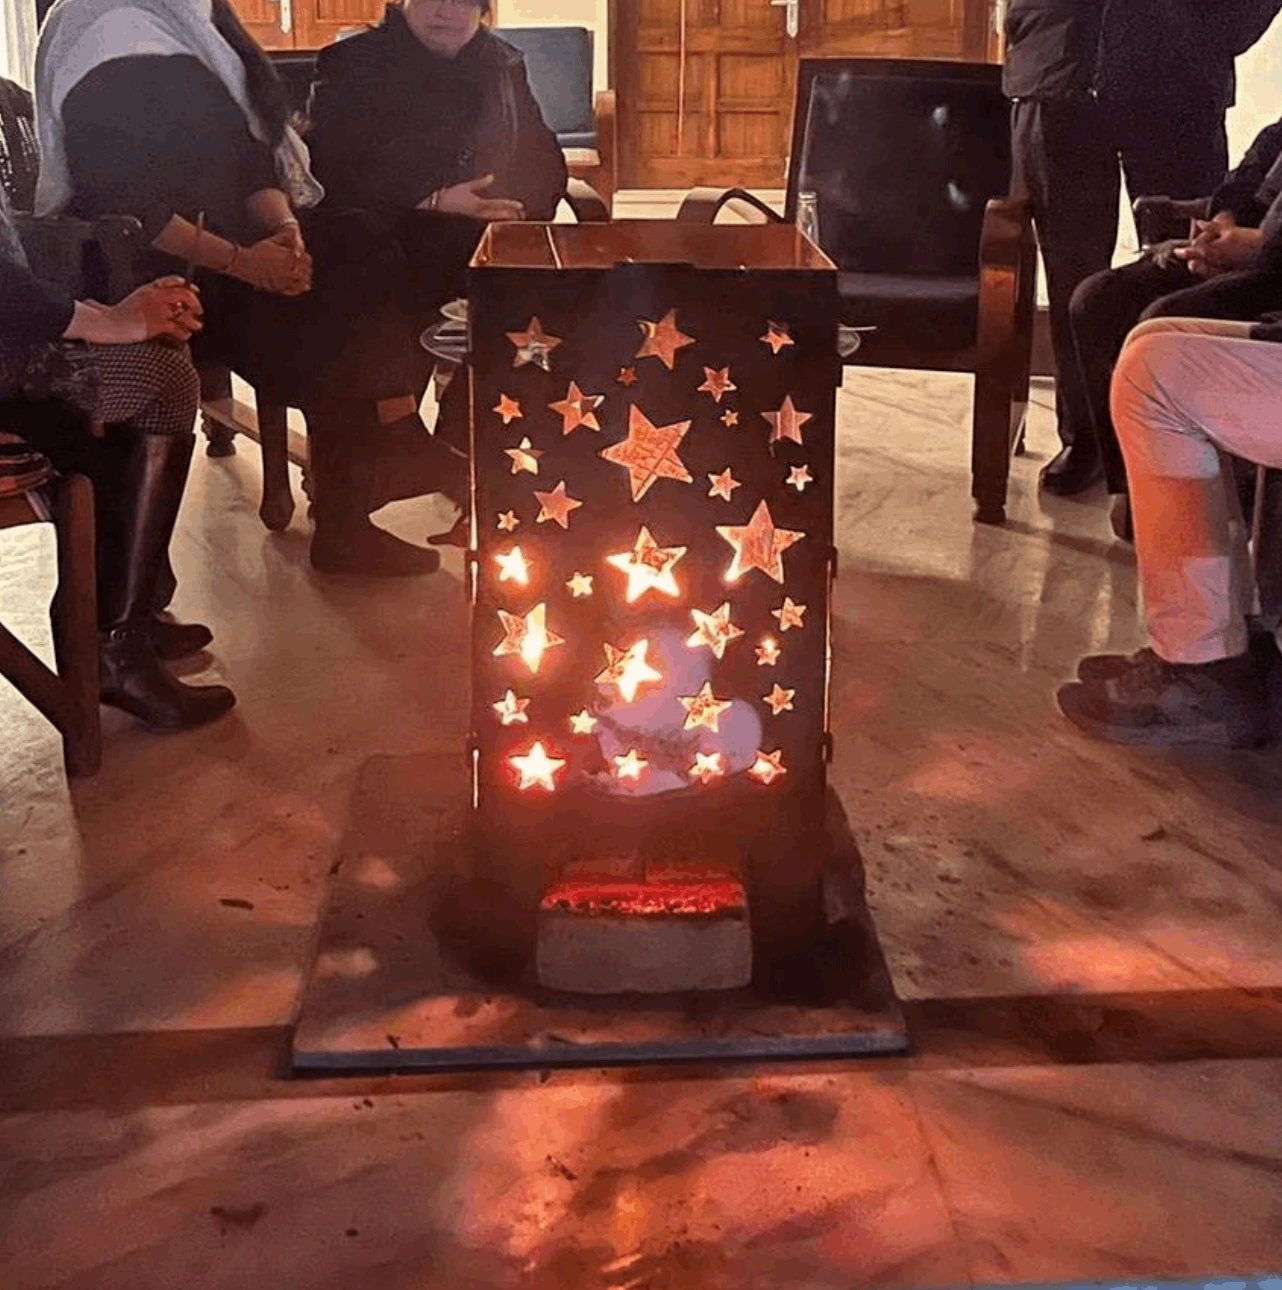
<point x="271" y="265"/>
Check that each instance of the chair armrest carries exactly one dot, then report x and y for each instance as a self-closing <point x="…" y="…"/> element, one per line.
<point x="1006" y="240"/>
<point x="588" y="205"/>
<point x="1160" y="218"/>
<point x="85" y="257"/>
<point x="703" y="205"/>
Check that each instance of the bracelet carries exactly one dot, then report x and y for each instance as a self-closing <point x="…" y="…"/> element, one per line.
<point x="235" y="255"/>
<point x="434" y="201"/>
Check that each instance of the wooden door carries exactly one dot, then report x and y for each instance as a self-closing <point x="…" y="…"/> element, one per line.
<point x="318" y="22"/>
<point x="267" y="22"/>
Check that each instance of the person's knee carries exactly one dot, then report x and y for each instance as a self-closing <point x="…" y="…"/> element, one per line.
<point x="177" y="386"/>
<point x="1090" y="296"/>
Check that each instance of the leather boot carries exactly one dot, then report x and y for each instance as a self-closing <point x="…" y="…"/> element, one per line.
<point x="136" y="519"/>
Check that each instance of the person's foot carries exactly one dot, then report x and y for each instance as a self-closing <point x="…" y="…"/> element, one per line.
<point x="1156" y="704"/>
<point x="369" y="551"/>
<point x="1071" y="470"/>
<point x="457" y="535"/>
<point x="134" y="681"/>
<point x="173" y="640"/>
<point x="1098" y="668"/>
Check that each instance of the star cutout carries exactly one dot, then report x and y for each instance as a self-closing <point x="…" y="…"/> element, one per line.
<point x="758" y="545"/>
<point x="649" y="452"/>
<point x="662" y="339"/>
<point x="525" y="457"/>
<point x="723" y="484"/>
<point x="716" y="381"/>
<point x="537" y="768"/>
<point x="779" y="699"/>
<point x="707" y="766"/>
<point x="799" y="477"/>
<point x="768" y="766"/>
<point x="730" y="418"/>
<point x="511" y="710"/>
<point x="627" y="669"/>
<point x="578" y="409"/>
<point x="630" y="765"/>
<point x="767" y="652"/>
<point x="786" y="421"/>
<point x="526" y="635"/>
<point x="703" y="709"/>
<point x="580" y="585"/>
<point x="508" y="409"/>
<point x="777" y="337"/>
<point x="556" y="506"/>
<point x="582" y="722"/>
<point x="788" y="614"/>
<point x="512" y="566"/>
<point x="507" y="521"/>
<point x="533" y="345"/>
<point x="648" y="566"/>
<point x="715" y="630"/>
<point x="627" y="376"/>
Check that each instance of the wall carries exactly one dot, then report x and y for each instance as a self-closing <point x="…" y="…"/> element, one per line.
<point x="593" y="14"/>
<point x="1259" y="90"/>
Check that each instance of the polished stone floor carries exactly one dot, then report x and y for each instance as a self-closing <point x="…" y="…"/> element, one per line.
<point x="1086" y="937"/>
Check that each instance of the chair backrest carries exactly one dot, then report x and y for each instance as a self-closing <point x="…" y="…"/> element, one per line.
<point x="903" y="155"/>
<point x="19" y="158"/>
<point x="559" y="63"/>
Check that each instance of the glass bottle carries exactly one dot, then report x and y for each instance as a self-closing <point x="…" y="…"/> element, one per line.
<point x="808" y="215"/>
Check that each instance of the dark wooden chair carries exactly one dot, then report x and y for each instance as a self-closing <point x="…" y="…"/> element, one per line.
<point x="910" y="164"/>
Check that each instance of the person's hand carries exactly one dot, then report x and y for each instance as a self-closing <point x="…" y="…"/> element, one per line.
<point x="1219" y="249"/>
<point x="469" y="199"/>
<point x="167" y="309"/>
<point x="274" y="265"/>
<point x="288" y="234"/>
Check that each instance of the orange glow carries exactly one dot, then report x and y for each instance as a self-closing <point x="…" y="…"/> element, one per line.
<point x="527" y="635"/>
<point x="537" y="769"/>
<point x="703" y="709"/>
<point x="788" y="614"/>
<point x="758" y="545"/>
<point x="715" y="630"/>
<point x="508" y="409"/>
<point x="768" y="767"/>
<point x="723" y="484"/>
<point x="511" y="710"/>
<point x="580" y="585"/>
<point x="507" y="521"/>
<point x="512" y="566"/>
<point x="582" y="722"/>
<point x="556" y="505"/>
<point x="779" y="699"/>
<point x="627" y="669"/>
<point x="649" y="453"/>
<point x="648" y="566"/>
<point x="707" y="767"/>
<point x="630" y="765"/>
<point x="767" y="652"/>
<point x="730" y="418"/>
<point x="525" y="457"/>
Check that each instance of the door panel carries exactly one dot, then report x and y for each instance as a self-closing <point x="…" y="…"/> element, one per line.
<point x="262" y="18"/>
<point x="318" y="22"/>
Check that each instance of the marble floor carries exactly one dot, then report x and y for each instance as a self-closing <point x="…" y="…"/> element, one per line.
<point x="1086" y="939"/>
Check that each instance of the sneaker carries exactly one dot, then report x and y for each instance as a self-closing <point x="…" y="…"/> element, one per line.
<point x="1096" y="668"/>
<point x="1157" y="704"/>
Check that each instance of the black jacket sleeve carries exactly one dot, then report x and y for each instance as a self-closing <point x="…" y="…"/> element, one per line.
<point x="539" y="175"/>
<point x="31" y="312"/>
<point x="1237" y="192"/>
<point x="154" y="137"/>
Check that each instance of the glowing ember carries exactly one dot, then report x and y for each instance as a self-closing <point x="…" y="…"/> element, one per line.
<point x="715" y="630"/>
<point x="533" y="345"/>
<point x="799" y="477"/>
<point x="537" y="769"/>
<point x="556" y="506"/>
<point x="777" y="337"/>
<point x="703" y="709"/>
<point x="779" y="699"/>
<point x="525" y="457"/>
<point x="758" y="545"/>
<point x="627" y="669"/>
<point x="508" y="409"/>
<point x="648" y="566"/>
<point x="511" y="710"/>
<point x="729" y="418"/>
<point x="507" y="521"/>
<point x="788" y="614"/>
<point x="630" y="765"/>
<point x="723" y="484"/>
<point x="707" y="767"/>
<point x="527" y="636"/>
<point x="580" y="585"/>
<point x="768" y="767"/>
<point x="582" y="722"/>
<point x="578" y="409"/>
<point x="786" y="421"/>
<point x="716" y="381"/>
<point x="649" y="453"/>
<point x="767" y="652"/>
<point x="512" y="566"/>
<point x="662" y="339"/>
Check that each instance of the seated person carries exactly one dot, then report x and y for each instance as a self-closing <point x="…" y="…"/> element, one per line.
<point x="67" y="363"/>
<point x="1162" y="283"/>
<point x="165" y="109"/>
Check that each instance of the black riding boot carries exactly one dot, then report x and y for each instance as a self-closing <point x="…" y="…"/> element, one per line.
<point x="136" y="518"/>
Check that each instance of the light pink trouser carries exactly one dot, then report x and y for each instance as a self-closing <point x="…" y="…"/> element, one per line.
<point x="1185" y="389"/>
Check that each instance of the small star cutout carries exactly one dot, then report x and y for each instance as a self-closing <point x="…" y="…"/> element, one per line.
<point x="777" y="337"/>
<point x="758" y="545"/>
<point x="662" y="339"/>
<point x="767" y="652"/>
<point x="578" y="409"/>
<point x="730" y="418"/>
<point x="768" y="766"/>
<point x="627" y="669"/>
<point x="582" y="722"/>
<point x="703" y="709"/>
<point x="580" y="585"/>
<point x="627" y="376"/>
<point x="648" y="566"/>
<point x="779" y="699"/>
<point x="723" y="484"/>
<point x="799" y="477"/>
<point x="511" y="710"/>
<point x="508" y="409"/>
<point x="507" y="521"/>
<point x="715" y="630"/>
<point x="716" y="381"/>
<point x="526" y="635"/>
<point x="525" y="457"/>
<point x="788" y="614"/>
<point x="649" y="453"/>
<point x="556" y="506"/>
<point x="786" y="421"/>
<point x="533" y="345"/>
<point x="537" y="768"/>
<point x="512" y="566"/>
<point x="630" y="765"/>
<point x="707" y="766"/>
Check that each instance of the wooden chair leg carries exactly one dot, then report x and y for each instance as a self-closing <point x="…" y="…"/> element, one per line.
<point x="277" y="507"/>
<point x="990" y="448"/>
<point x="1267" y="553"/>
<point x="215" y="385"/>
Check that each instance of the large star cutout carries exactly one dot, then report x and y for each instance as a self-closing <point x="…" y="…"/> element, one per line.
<point x="779" y="699"/>
<point x="511" y="710"/>
<point x="703" y="709"/>
<point x="578" y="409"/>
<point x="526" y="635"/>
<point x="723" y="484"/>
<point x="776" y="337"/>
<point x="662" y="339"/>
<point x="525" y="457"/>
<point x="768" y="766"/>
<point x="508" y="409"/>
<point x="648" y="566"/>
<point x="649" y="452"/>
<point x="512" y="566"/>
<point x="716" y="381"/>
<point x="533" y="345"/>
<point x="556" y="506"/>
<point x="537" y="768"/>
<point x="789" y="614"/>
<point x="758" y="545"/>
<point x="707" y="766"/>
<point x="627" y="669"/>
<point x="630" y="765"/>
<point x="715" y="630"/>
<point x="786" y="421"/>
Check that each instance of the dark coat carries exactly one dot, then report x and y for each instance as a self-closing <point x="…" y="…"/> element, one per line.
<point x="1051" y="48"/>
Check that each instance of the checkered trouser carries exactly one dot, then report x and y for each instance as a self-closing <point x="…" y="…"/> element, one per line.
<point x="151" y="387"/>
<point x="1184" y="391"/>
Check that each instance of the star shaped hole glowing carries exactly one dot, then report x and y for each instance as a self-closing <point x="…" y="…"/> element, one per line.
<point x="779" y="699"/>
<point x="662" y="339"/>
<point x="648" y="566"/>
<point x="580" y="585"/>
<point x="758" y="545"/>
<point x="776" y="336"/>
<point x="630" y="765"/>
<point x="582" y="722"/>
<point x="649" y="453"/>
<point x="707" y="767"/>
<point x="767" y="652"/>
<point x="577" y="409"/>
<point x="527" y="635"/>
<point x="627" y="669"/>
<point x="533" y="345"/>
<point x="723" y="485"/>
<point x="716" y="381"/>
<point x="512" y="566"/>
<point x="507" y="521"/>
<point x="799" y="477"/>
<point x="511" y="710"/>
<point x="715" y="630"/>
<point x="508" y="409"/>
<point x="703" y="709"/>
<point x="556" y="506"/>
<point x="525" y="457"/>
<point x="789" y="614"/>
<point x="786" y="421"/>
<point x="537" y="769"/>
<point x="768" y="767"/>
